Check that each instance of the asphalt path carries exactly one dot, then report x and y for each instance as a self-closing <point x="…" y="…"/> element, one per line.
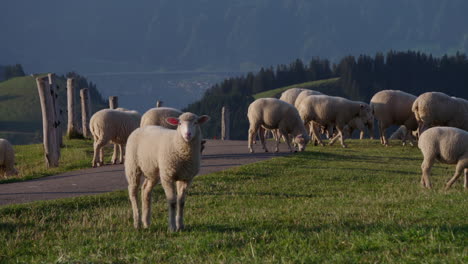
<point x="217" y="156"/>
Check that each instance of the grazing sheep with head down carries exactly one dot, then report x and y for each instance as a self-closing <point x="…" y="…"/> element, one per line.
<point x="329" y="111"/>
<point x="439" y="109"/>
<point x="401" y="134"/>
<point x="271" y="113"/>
<point x="171" y="157"/>
<point x="393" y="107"/>
<point x="448" y="145"/>
<point x="7" y="159"/>
<point x="112" y="125"/>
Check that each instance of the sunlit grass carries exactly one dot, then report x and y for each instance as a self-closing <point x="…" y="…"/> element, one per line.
<point x="329" y="204"/>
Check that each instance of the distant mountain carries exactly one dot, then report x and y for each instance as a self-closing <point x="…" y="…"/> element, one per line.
<point x="91" y="36"/>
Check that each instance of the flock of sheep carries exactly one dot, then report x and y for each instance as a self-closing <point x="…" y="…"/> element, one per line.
<point x="441" y="122"/>
<point x="164" y="145"/>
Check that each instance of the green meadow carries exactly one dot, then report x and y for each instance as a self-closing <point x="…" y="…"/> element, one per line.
<point x="363" y="204"/>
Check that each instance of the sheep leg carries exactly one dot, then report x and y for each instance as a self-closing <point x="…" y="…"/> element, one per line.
<point x="122" y="153"/>
<point x="262" y="139"/>
<point x="466" y="179"/>
<point x="277" y="140"/>
<point x="98" y="145"/>
<point x="461" y="166"/>
<point x="133" y="184"/>
<point x="171" y="197"/>
<point x="381" y="133"/>
<point x="342" y="137"/>
<point x="146" y="202"/>
<point x="287" y="139"/>
<point x="316" y="134"/>
<point x="182" y="187"/>
<point x="114" y="155"/>
<point x="333" y="140"/>
<point x="252" y="133"/>
<point x="426" y="167"/>
<point x="361" y="135"/>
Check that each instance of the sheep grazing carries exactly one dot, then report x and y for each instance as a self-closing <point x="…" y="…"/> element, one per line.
<point x="329" y="111"/>
<point x="157" y="117"/>
<point x="393" y="107"/>
<point x="171" y="157"/>
<point x="448" y="145"/>
<point x="271" y="113"/>
<point x="290" y="95"/>
<point x="7" y="159"/>
<point x="401" y="134"/>
<point x="439" y="109"/>
<point x="303" y="95"/>
<point x="112" y="125"/>
<point x="360" y="123"/>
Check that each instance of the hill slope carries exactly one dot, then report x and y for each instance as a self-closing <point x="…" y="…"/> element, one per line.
<point x="327" y="86"/>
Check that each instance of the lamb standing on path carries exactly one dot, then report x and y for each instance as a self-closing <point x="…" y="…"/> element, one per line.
<point x="329" y="111"/>
<point x="272" y="113"/>
<point x="112" y="125"/>
<point x="439" y="109"/>
<point x="393" y="107"/>
<point x="7" y="159"/>
<point x="171" y="157"/>
<point x="448" y="145"/>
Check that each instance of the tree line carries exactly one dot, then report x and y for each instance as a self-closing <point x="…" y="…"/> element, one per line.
<point x="360" y="78"/>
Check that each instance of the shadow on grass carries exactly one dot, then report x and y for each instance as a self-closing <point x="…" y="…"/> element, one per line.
<point x="260" y="194"/>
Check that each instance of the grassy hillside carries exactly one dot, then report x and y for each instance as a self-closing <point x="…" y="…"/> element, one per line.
<point x="326" y="205"/>
<point x="328" y="86"/>
<point x="20" y="111"/>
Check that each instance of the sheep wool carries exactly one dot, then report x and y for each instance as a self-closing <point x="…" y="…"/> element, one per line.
<point x="157" y="117"/>
<point x="290" y="95"/>
<point x="171" y="157"/>
<point x="439" y="109"/>
<point x="303" y="95"/>
<point x="7" y="159"/>
<point x="448" y="145"/>
<point x="112" y="125"/>
<point x="272" y="113"/>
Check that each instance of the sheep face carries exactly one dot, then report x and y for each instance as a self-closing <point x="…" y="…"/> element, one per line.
<point x="301" y="141"/>
<point x="188" y="125"/>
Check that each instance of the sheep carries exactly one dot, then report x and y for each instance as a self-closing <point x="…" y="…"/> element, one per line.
<point x="272" y="113"/>
<point x="7" y="159"/>
<point x="112" y="125"/>
<point x="157" y="117"/>
<point x="330" y="111"/>
<point x="303" y="95"/>
<point x="401" y="134"/>
<point x="448" y="145"/>
<point x="358" y="123"/>
<point x="393" y="107"/>
<point x="439" y="109"/>
<point x="171" y="157"/>
<point x="290" y="95"/>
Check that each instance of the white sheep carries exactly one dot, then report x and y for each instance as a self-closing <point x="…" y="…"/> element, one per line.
<point x="402" y="134"/>
<point x="157" y="117"/>
<point x="303" y="95"/>
<point x="171" y="157"/>
<point x="290" y="95"/>
<point x="393" y="107"/>
<point x="112" y="125"/>
<point x="330" y="111"/>
<point x="272" y="113"/>
<point x="448" y="145"/>
<point x="439" y="109"/>
<point x="7" y="159"/>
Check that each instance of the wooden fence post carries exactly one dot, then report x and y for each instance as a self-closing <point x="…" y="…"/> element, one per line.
<point x="49" y="122"/>
<point x="58" y="111"/>
<point x="159" y="103"/>
<point x="113" y="102"/>
<point x="72" y="127"/>
<point x="85" y="111"/>
<point x="225" y="135"/>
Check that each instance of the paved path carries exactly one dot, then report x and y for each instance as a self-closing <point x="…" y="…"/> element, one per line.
<point x="218" y="155"/>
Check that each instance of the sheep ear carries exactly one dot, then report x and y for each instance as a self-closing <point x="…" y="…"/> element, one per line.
<point x="202" y="119"/>
<point x="172" y="121"/>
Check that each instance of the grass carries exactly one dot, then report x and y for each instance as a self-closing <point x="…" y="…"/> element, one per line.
<point x="76" y="154"/>
<point x="320" y="85"/>
<point x="363" y="204"/>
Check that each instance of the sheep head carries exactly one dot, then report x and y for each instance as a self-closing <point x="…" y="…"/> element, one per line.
<point x="301" y="141"/>
<point x="188" y="125"/>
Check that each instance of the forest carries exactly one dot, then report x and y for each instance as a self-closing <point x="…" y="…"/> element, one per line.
<point x="359" y="79"/>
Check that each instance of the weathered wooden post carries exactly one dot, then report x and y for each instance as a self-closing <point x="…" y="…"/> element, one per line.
<point x="159" y="103"/>
<point x="58" y="111"/>
<point x="113" y="102"/>
<point x="49" y="122"/>
<point x="72" y="128"/>
<point x="225" y="123"/>
<point x="85" y="111"/>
